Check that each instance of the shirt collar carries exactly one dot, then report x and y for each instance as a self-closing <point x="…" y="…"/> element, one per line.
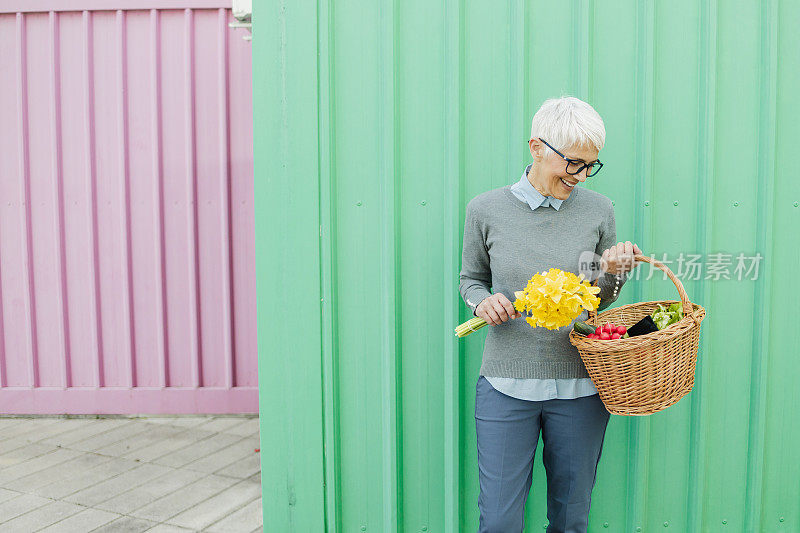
<point x="534" y="198"/>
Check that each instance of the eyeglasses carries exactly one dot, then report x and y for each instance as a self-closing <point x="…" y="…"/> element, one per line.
<point x="576" y="166"/>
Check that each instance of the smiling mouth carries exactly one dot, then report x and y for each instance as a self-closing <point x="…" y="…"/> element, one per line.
<point x="567" y="184"/>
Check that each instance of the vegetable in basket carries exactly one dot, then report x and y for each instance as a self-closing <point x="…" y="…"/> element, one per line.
<point x="643" y="327"/>
<point x="664" y="316"/>
<point x="661" y="318"/>
<point x="582" y="328"/>
<point x="605" y="332"/>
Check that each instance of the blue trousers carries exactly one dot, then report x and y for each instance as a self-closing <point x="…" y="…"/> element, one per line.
<point x="507" y="434"/>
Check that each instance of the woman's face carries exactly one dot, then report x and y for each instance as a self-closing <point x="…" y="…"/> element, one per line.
<point x="549" y="174"/>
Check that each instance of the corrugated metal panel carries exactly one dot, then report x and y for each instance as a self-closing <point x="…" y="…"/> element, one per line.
<point x="32" y="6"/>
<point x="377" y="122"/>
<point x="126" y="255"/>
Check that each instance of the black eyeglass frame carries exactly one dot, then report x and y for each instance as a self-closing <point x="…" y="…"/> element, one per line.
<point x="582" y="164"/>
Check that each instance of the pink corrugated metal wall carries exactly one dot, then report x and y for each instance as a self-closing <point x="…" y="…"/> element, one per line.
<point x="127" y="280"/>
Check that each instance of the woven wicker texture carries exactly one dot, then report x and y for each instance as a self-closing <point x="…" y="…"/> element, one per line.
<point x="644" y="374"/>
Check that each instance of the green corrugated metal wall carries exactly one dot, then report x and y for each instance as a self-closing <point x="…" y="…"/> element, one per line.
<point x="376" y="122"/>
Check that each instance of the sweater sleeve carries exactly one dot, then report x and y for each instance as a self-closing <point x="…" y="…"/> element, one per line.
<point x="476" y="275"/>
<point x="607" y="281"/>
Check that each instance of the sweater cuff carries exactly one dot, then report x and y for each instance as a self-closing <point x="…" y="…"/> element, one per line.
<point x="608" y="279"/>
<point x="607" y="283"/>
<point x="475" y="296"/>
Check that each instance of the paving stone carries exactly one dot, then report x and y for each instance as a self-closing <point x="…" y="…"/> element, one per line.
<point x="114" y="486"/>
<point x="81" y="433"/>
<point x="195" y="451"/>
<point x="12" y="444"/>
<point x="225" y="457"/>
<point x="6" y="494"/>
<point x="221" y="423"/>
<point x="36" y="464"/>
<point x="65" y="470"/>
<point x="81" y="480"/>
<point x="214" y="509"/>
<point x="176" y="442"/>
<point x="100" y="440"/>
<point x="155" y="433"/>
<point x="151" y="491"/>
<point x="86" y="520"/>
<point x="242" y="469"/>
<point x="41" y="517"/>
<point x="165" y="528"/>
<point x="126" y="524"/>
<point x="248" y="518"/>
<point x="21" y="504"/>
<point x="30" y="426"/>
<point x="189" y="421"/>
<point x="7" y="423"/>
<point x="247" y="428"/>
<point x="179" y="421"/>
<point x="161" y="420"/>
<point x="180" y="500"/>
<point x="62" y="426"/>
<point x="24" y="452"/>
<point x="89" y="467"/>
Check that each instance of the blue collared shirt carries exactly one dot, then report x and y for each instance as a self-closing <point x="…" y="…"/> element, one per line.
<point x="540" y="389"/>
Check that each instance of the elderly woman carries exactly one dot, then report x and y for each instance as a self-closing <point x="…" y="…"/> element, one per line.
<point x="533" y="379"/>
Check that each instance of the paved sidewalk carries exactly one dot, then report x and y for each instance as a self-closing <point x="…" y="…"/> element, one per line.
<point x="154" y="474"/>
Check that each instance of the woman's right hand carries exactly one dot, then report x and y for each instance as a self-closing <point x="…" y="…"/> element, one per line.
<point x="496" y="309"/>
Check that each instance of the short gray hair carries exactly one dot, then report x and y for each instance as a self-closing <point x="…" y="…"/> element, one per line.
<point x="566" y="122"/>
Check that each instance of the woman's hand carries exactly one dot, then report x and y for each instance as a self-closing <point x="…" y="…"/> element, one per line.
<point x="619" y="258"/>
<point x="496" y="309"/>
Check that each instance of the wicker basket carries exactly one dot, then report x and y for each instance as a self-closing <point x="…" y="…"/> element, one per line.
<point x="644" y="374"/>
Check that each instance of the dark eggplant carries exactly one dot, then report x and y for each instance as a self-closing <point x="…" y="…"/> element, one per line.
<point x="643" y="327"/>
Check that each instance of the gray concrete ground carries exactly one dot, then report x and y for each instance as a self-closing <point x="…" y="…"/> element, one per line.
<point x="153" y="474"/>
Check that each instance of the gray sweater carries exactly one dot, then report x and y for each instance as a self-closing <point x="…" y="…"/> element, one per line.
<point x="505" y="244"/>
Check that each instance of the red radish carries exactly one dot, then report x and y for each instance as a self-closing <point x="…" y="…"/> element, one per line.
<point x="598" y="330"/>
<point x="621" y="330"/>
<point x="605" y="336"/>
<point x="615" y="335"/>
<point x="591" y="336"/>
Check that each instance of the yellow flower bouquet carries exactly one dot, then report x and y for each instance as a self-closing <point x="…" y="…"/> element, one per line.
<point x="552" y="299"/>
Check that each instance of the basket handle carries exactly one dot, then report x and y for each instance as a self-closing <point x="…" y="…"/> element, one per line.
<point x="688" y="308"/>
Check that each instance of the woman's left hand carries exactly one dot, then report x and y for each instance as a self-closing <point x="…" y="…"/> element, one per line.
<point x="619" y="258"/>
